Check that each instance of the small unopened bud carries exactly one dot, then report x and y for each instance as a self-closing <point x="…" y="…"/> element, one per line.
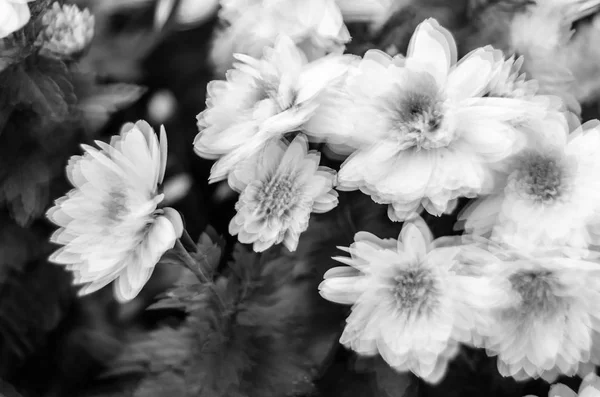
<point x="66" y="30"/>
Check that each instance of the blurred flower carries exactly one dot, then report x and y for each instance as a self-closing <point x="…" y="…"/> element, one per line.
<point x="262" y="99"/>
<point x="412" y="300"/>
<point x="590" y="387"/>
<point x="424" y="132"/>
<point x="511" y="82"/>
<point x="551" y="194"/>
<point x="279" y="189"/>
<point x="66" y="30"/>
<point x="110" y="225"/>
<point x="189" y="13"/>
<point x="548" y="323"/>
<point x="373" y="12"/>
<point x="316" y="26"/>
<point x="14" y="14"/>
<point x="541" y="32"/>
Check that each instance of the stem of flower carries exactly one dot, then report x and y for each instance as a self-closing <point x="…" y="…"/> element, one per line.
<point x="189" y="262"/>
<point x="187" y="240"/>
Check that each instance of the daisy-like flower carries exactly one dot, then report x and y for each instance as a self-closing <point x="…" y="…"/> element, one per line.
<point x="551" y="194"/>
<point x="66" y="29"/>
<point x="413" y="301"/>
<point x="262" y="99"/>
<point x="110" y="225"/>
<point x="590" y="387"/>
<point x="14" y="14"/>
<point x="424" y="132"/>
<point x="279" y="190"/>
<point x="548" y="324"/>
<point x="316" y="26"/>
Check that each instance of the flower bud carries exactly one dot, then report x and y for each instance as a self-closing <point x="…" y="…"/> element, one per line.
<point x="66" y="30"/>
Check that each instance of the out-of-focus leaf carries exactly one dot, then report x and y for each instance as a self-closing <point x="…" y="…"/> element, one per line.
<point x="39" y="84"/>
<point x="102" y="101"/>
<point x="18" y="245"/>
<point x="25" y="189"/>
<point x="385" y="380"/>
<point x="167" y="384"/>
<point x="7" y="390"/>
<point x="156" y="352"/>
<point x="32" y="303"/>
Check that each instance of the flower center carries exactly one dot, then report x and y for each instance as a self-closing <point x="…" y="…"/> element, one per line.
<point x="277" y="195"/>
<point x="538" y="291"/>
<point x="116" y="206"/>
<point x="539" y="178"/>
<point x="416" y="115"/>
<point x="415" y="291"/>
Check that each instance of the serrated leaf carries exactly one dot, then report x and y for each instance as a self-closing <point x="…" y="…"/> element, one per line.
<point x="40" y="85"/>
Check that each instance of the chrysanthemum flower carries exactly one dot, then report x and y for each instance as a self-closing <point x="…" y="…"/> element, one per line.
<point x="590" y="387"/>
<point x="316" y="26"/>
<point x="66" y="29"/>
<point x="551" y="195"/>
<point x="262" y="99"/>
<point x="413" y="301"/>
<point x="109" y="223"/>
<point x="543" y="35"/>
<point x="424" y="133"/>
<point x="549" y="323"/>
<point x="279" y="189"/>
<point x="14" y="14"/>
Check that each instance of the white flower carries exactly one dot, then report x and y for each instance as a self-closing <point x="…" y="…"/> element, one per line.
<point x="413" y="301"/>
<point x="551" y="195"/>
<point x="262" y="99"/>
<point x="424" y="132"/>
<point x="590" y="387"/>
<point x="316" y="26"/>
<point x="111" y="228"/>
<point x="66" y="30"/>
<point x="279" y="189"/>
<point x="371" y="11"/>
<point x="511" y="82"/>
<point x="189" y="13"/>
<point x="548" y="323"/>
<point x="14" y="14"/>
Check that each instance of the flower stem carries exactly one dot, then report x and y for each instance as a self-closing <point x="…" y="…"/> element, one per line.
<point x="187" y="240"/>
<point x="189" y="262"/>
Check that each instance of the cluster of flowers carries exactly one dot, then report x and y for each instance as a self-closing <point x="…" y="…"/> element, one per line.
<point x="419" y="131"/>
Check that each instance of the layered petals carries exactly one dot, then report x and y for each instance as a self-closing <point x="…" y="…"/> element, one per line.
<point x="110" y="226"/>
<point x="414" y="299"/>
<point x="262" y="100"/>
<point x="279" y="190"/>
